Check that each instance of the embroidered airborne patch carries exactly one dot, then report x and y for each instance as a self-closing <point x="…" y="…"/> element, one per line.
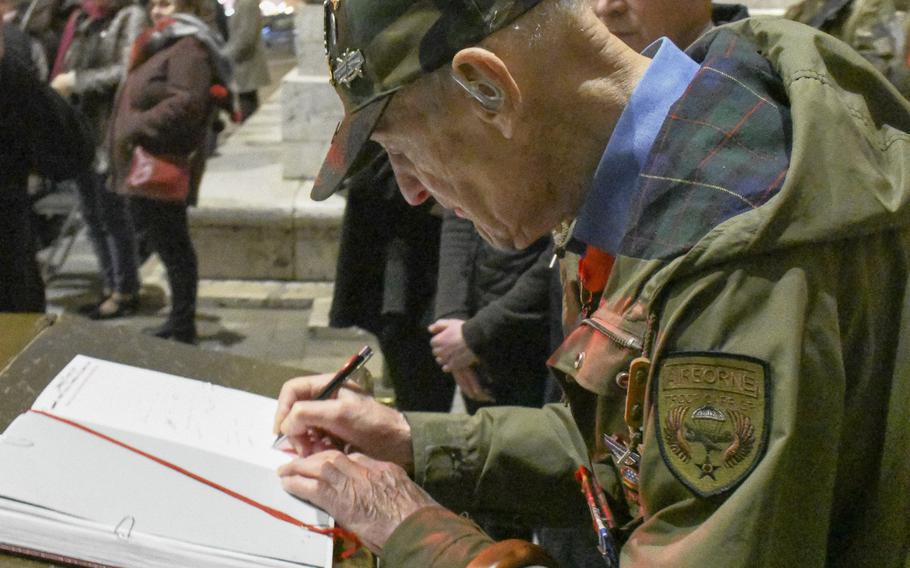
<point x="713" y="411"/>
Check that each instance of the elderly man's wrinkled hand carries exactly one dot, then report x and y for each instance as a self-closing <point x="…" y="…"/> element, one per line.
<point x="349" y="419"/>
<point x="368" y="497"/>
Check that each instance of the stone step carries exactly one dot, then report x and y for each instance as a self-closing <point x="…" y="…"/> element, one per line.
<point x="260" y="294"/>
<point x="252" y="223"/>
<point x="319" y="327"/>
<point x="265" y="294"/>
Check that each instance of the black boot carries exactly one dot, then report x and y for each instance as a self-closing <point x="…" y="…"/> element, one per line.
<point x="182" y="334"/>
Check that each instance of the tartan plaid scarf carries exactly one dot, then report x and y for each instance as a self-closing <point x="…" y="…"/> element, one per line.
<point x="724" y="149"/>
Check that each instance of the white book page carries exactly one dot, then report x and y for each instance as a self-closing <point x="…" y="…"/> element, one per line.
<point x="225" y="421"/>
<point x="55" y="465"/>
<point x="35" y="528"/>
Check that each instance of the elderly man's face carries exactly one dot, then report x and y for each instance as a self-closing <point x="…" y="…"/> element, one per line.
<point x="640" y="22"/>
<point x="450" y="156"/>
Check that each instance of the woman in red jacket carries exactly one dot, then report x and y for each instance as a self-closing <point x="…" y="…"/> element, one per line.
<point x="175" y="81"/>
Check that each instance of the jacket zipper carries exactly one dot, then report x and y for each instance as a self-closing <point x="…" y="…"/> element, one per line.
<point x="620" y="338"/>
<point x="562" y="234"/>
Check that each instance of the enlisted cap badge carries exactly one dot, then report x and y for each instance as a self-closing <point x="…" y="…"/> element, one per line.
<point x="348" y="67"/>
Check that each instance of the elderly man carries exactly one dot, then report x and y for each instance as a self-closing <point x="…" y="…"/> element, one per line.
<point x="744" y="207"/>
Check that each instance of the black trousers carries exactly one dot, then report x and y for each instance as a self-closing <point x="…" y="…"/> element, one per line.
<point x="110" y="233"/>
<point x="419" y="383"/>
<point x="166" y="227"/>
<point x="21" y="286"/>
<point x="249" y="102"/>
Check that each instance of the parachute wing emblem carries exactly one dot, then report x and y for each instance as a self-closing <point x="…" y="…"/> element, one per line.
<point x="743" y="439"/>
<point x="674" y="435"/>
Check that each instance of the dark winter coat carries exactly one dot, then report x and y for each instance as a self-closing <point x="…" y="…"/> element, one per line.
<point x="388" y="257"/>
<point x="165" y="104"/>
<point x="504" y="298"/>
<point x="39" y="132"/>
<point x="726" y="13"/>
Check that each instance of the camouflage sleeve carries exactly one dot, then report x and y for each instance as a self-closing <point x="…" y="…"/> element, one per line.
<point x="876" y="29"/>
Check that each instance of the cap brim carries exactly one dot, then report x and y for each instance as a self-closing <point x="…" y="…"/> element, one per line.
<point x="348" y="142"/>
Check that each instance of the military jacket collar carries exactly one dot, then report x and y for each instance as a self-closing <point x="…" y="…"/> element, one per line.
<point x="616" y="179"/>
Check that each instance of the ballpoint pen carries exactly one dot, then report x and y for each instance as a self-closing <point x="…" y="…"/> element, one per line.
<point x="355" y="362"/>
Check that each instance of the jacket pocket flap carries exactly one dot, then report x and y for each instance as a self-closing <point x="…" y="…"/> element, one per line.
<point x="595" y="353"/>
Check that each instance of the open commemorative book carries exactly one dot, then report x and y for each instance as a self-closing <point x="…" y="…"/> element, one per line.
<point x="120" y="466"/>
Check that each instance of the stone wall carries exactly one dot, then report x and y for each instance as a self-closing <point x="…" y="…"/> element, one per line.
<point x="310" y="108"/>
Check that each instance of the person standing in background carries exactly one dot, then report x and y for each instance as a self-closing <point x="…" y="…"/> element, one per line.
<point x="13" y="12"/>
<point x="385" y="282"/>
<point x="492" y="327"/>
<point x="165" y="106"/>
<point x="39" y="132"/>
<point x="638" y="23"/>
<point x="246" y="50"/>
<point x="43" y="20"/>
<point x="88" y="68"/>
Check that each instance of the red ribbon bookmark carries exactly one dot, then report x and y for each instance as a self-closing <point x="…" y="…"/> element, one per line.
<point x="335" y="533"/>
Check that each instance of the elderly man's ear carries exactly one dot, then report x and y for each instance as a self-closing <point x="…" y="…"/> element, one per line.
<point x="485" y="77"/>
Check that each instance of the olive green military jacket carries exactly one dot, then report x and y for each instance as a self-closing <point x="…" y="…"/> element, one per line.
<point x="777" y="398"/>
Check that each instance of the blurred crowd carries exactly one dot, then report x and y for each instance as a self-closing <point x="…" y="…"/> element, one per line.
<point x="125" y="101"/>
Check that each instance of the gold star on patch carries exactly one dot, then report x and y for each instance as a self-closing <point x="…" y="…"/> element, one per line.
<point x="707" y="468"/>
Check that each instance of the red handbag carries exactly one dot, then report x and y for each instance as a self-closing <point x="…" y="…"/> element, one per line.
<point x="165" y="178"/>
